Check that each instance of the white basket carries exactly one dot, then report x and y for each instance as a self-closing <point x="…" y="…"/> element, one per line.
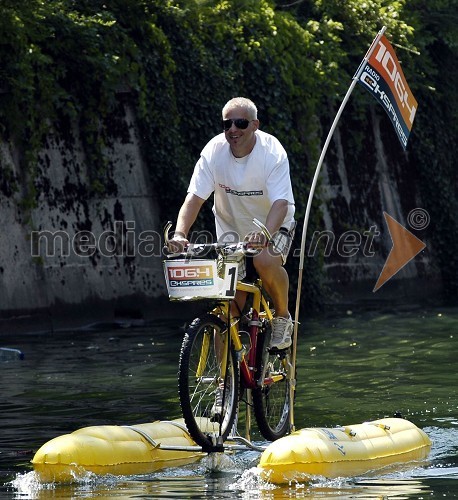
<point x="194" y="279"/>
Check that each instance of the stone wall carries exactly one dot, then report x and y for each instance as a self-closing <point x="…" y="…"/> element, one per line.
<point x="354" y="199"/>
<point x="75" y="258"/>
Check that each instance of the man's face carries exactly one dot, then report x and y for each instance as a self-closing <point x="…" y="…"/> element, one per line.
<point x="240" y="139"/>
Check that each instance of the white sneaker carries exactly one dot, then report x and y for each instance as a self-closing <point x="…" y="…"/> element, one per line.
<point x="282" y="328"/>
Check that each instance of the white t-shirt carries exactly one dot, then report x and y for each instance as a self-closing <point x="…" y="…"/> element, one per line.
<point x="244" y="188"/>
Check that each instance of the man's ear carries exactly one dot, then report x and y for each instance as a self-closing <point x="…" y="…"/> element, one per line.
<point x="256" y="124"/>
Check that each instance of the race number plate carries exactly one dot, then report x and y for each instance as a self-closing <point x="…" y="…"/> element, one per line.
<point x="198" y="278"/>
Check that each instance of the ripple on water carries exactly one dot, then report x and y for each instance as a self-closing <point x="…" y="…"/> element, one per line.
<point x="350" y="369"/>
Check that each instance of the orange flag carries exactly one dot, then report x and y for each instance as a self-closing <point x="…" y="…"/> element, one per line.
<point x="405" y="247"/>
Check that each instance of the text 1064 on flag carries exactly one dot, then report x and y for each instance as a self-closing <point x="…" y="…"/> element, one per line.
<point x="383" y="77"/>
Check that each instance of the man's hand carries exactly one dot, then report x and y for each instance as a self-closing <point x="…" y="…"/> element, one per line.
<point x="256" y="240"/>
<point x="177" y="244"/>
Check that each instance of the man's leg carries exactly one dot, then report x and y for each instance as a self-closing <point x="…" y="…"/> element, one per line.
<point x="276" y="282"/>
<point x="274" y="278"/>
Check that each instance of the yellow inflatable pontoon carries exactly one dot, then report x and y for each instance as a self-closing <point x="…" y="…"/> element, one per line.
<point x="144" y="448"/>
<point x="112" y="449"/>
<point x="343" y="451"/>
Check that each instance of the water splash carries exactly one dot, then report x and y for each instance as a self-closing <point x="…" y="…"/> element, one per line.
<point x="219" y="462"/>
<point x="251" y="484"/>
<point x="445" y="442"/>
<point x="29" y="485"/>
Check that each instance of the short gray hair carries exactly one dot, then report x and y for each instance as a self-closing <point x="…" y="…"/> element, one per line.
<point x="242" y="102"/>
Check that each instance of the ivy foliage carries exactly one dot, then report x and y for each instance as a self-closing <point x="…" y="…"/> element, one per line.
<point x="433" y="150"/>
<point x="65" y="63"/>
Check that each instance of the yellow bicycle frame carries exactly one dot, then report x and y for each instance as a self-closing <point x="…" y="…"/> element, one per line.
<point x="259" y="304"/>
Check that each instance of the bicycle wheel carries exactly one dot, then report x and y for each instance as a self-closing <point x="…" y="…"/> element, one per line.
<point x="208" y="382"/>
<point x="271" y="400"/>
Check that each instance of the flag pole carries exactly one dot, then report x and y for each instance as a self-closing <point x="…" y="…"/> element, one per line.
<point x="307" y="215"/>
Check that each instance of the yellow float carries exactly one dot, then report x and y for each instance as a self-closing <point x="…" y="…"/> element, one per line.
<point x="144" y="448"/>
<point x="343" y="451"/>
<point x="112" y="449"/>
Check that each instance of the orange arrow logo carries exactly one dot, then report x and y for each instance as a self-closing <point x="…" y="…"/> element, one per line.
<point x="405" y="247"/>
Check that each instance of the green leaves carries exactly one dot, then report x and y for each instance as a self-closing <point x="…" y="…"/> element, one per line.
<point x="65" y="63"/>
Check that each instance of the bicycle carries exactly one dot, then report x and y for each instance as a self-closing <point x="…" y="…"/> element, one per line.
<point x="223" y="356"/>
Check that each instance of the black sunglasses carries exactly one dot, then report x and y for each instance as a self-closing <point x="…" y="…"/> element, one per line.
<point x="240" y="123"/>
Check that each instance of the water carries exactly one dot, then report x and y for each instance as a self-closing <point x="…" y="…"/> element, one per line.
<point x="352" y="367"/>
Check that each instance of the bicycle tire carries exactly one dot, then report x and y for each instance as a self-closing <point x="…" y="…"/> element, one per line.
<point x="272" y="401"/>
<point x="199" y="378"/>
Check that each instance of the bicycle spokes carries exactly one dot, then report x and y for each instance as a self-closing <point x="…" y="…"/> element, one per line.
<point x="271" y="399"/>
<point x="208" y="381"/>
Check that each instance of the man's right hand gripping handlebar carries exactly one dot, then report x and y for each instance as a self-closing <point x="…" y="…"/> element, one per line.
<point x="175" y="245"/>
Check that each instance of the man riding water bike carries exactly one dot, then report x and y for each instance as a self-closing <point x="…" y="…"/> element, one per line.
<point x="248" y="172"/>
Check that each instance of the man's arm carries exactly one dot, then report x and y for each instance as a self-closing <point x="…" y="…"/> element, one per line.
<point x="276" y="215"/>
<point x="274" y="220"/>
<point x="188" y="214"/>
<point x="186" y="218"/>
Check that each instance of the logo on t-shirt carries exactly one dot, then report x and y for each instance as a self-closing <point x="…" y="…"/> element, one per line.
<point x="229" y="190"/>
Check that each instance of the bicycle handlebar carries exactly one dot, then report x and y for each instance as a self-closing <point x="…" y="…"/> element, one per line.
<point x="196" y="249"/>
<point x="263" y="229"/>
<point x="203" y="249"/>
<point x="166" y="233"/>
